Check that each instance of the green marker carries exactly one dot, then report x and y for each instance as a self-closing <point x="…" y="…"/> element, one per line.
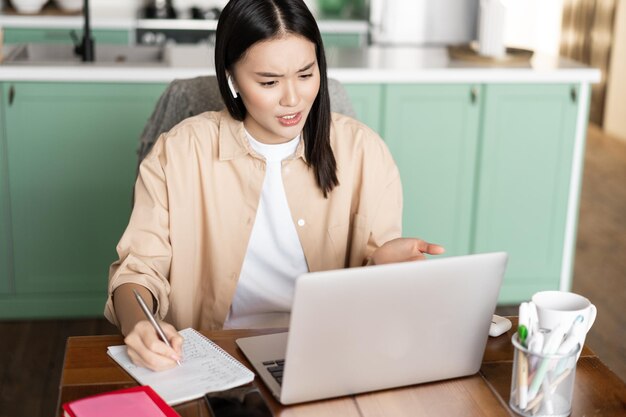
<point x="522" y="333"/>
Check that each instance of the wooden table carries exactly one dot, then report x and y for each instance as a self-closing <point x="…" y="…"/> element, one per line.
<point x="88" y="370"/>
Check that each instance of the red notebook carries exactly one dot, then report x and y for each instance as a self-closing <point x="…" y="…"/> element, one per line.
<point x="140" y="401"/>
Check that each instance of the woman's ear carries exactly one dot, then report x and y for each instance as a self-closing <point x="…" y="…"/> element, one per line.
<point x="231" y="86"/>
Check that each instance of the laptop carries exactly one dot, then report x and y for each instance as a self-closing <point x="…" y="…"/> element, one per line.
<point x="364" y="329"/>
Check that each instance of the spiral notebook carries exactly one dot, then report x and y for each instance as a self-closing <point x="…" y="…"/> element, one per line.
<point x="205" y="368"/>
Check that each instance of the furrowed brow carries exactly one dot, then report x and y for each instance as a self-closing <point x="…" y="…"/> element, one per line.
<point x="275" y="75"/>
<point x="269" y="74"/>
<point x="307" y="67"/>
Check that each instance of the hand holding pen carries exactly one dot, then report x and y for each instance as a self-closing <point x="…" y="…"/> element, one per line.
<point x="153" y="345"/>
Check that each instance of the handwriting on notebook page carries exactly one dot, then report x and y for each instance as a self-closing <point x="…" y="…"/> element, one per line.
<point x="205" y="368"/>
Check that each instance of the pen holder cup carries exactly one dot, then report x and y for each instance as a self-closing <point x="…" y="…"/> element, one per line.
<point x="542" y="385"/>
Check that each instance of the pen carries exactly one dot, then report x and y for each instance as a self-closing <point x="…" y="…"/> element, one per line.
<point x="572" y="337"/>
<point x="535" y="402"/>
<point x="522" y="334"/>
<point x="522" y="379"/>
<point x="154" y="323"/>
<point x="533" y="318"/>
<point x="524" y="321"/>
<point x="570" y="342"/>
<point x="552" y="344"/>
<point x="535" y="346"/>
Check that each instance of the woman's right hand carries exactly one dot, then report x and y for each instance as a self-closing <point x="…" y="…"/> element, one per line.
<point x="146" y="349"/>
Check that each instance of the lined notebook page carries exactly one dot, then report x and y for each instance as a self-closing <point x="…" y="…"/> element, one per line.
<point x="205" y="368"/>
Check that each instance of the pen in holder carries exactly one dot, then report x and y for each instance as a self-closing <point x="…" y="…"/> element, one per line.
<point x="542" y="384"/>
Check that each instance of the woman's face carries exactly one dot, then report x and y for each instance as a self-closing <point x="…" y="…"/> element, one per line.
<point x="278" y="81"/>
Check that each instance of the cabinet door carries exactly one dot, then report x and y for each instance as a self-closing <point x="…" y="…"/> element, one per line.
<point x="55" y="35"/>
<point x="367" y="101"/>
<point x="344" y="40"/>
<point x="432" y="131"/>
<point x="6" y="276"/>
<point x="71" y="167"/>
<point x="523" y="191"/>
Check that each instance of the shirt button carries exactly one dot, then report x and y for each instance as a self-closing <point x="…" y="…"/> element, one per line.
<point x="301" y="222"/>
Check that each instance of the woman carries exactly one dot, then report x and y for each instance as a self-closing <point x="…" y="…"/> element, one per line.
<point x="231" y="207"/>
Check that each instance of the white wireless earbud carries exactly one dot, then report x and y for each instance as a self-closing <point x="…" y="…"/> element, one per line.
<point x="231" y="86"/>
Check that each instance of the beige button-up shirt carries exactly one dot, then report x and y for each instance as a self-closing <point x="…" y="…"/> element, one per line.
<point x="196" y="199"/>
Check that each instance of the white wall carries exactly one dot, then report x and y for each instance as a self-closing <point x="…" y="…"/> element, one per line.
<point x="179" y="4"/>
<point x="186" y="4"/>
<point x="128" y="7"/>
<point x="530" y="24"/>
<point x="615" y="104"/>
<point x="534" y="25"/>
<point x="133" y="6"/>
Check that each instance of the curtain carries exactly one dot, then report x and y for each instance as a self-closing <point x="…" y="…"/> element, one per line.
<point x="586" y="36"/>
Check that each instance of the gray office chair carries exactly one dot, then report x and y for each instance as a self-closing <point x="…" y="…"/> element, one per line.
<point x="189" y="97"/>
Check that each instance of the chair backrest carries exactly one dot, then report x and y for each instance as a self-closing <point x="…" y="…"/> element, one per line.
<point x="189" y="97"/>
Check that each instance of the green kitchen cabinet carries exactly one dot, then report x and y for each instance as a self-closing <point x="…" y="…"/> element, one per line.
<point x="56" y="35"/>
<point x="6" y="282"/>
<point x="344" y="40"/>
<point x="69" y="159"/>
<point x="488" y="168"/>
<point x="524" y="174"/>
<point x="367" y="102"/>
<point x="432" y="132"/>
<point x="485" y="167"/>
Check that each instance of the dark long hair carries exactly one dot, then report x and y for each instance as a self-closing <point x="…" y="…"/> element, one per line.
<point x="242" y="24"/>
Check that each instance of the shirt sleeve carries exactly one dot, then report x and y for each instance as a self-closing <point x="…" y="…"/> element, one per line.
<point x="144" y="250"/>
<point x="386" y="222"/>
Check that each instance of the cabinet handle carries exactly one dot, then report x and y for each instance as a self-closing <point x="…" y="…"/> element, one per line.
<point x="473" y="95"/>
<point x="573" y="94"/>
<point x="11" y="94"/>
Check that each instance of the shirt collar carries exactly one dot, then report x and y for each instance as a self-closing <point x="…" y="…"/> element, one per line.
<point x="233" y="142"/>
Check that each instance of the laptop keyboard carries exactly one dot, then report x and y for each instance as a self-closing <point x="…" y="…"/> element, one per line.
<point x="276" y="369"/>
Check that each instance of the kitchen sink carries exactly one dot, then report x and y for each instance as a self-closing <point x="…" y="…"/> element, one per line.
<point x="106" y="54"/>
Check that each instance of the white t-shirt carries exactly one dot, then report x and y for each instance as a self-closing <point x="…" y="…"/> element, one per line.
<point x="274" y="257"/>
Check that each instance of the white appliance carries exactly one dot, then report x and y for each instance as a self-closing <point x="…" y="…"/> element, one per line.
<point x="423" y="22"/>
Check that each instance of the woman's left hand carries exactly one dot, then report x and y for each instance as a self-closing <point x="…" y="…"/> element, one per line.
<point x="405" y="249"/>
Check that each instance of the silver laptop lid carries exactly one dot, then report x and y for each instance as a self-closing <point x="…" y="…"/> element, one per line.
<point x="363" y="329"/>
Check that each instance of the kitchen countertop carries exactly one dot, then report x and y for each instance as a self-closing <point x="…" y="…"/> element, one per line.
<point x="374" y="64"/>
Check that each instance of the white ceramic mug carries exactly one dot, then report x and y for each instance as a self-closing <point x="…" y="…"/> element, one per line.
<point x="556" y="307"/>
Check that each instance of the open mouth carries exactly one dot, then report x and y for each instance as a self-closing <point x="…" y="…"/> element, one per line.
<point x="290" y="119"/>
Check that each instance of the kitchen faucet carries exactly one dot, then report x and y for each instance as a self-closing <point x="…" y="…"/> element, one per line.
<point x="85" y="47"/>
